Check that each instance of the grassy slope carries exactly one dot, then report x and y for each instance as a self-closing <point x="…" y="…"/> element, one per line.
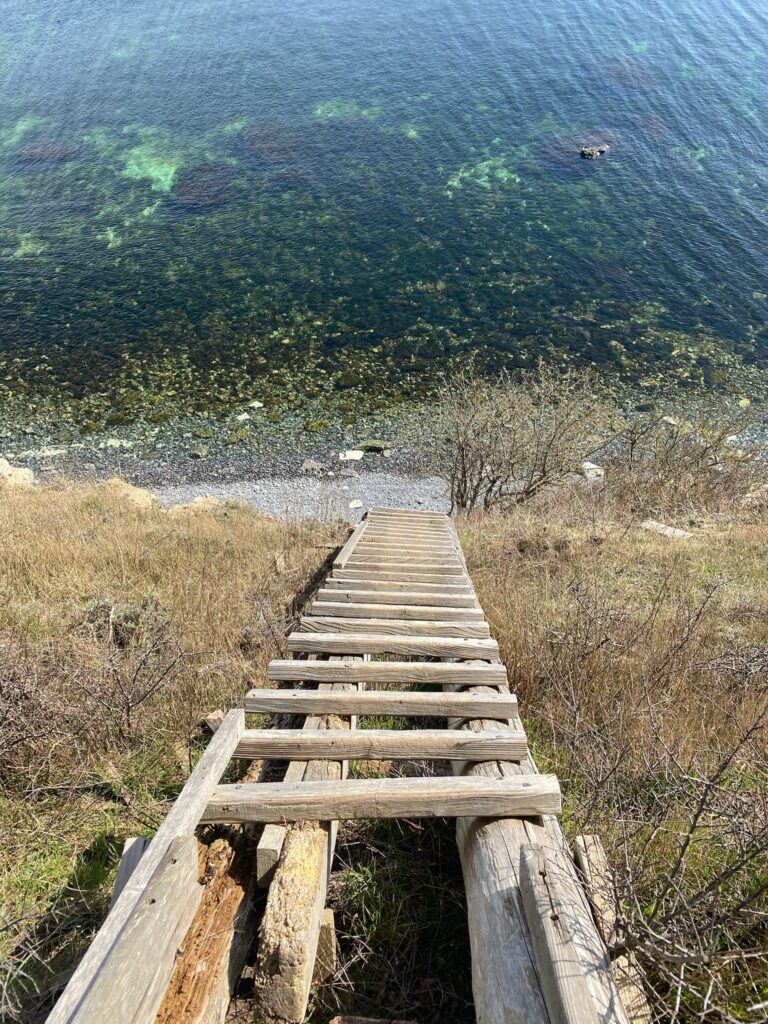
<point x="637" y="661"/>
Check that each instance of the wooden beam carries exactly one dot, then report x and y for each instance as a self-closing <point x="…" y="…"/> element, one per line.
<point x="444" y="797"/>
<point x="133" y="851"/>
<point x="382" y="744"/>
<point x="592" y="862"/>
<point x="290" y="928"/>
<point x="410" y="647"/>
<point x="181" y="820"/>
<point x="389" y="672"/>
<point x="351" y="544"/>
<point x="358" y="610"/>
<point x="130" y="984"/>
<point x="555" y="941"/>
<point x="320" y="623"/>
<point x="494" y="705"/>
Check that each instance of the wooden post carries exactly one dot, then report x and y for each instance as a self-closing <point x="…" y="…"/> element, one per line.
<point x="181" y="821"/>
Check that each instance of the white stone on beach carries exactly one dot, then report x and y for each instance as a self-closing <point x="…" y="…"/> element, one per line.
<point x="15" y="476"/>
<point x="356" y="504"/>
<point x="352" y="455"/>
<point x="242" y="417"/>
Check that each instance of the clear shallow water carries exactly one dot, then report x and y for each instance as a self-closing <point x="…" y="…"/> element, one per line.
<point x="343" y="197"/>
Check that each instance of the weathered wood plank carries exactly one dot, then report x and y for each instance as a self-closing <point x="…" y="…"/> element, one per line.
<point x="382" y="744"/>
<point x="444" y="797"/>
<point x="357" y="610"/>
<point x="377" y="546"/>
<point x="411" y="646"/>
<point x="437" y="566"/>
<point x="181" y="820"/>
<point x="290" y="928"/>
<point x="437" y="599"/>
<point x="319" y="623"/>
<point x="133" y="850"/>
<point x="555" y="942"/>
<point x="496" y="705"/>
<point x="389" y="672"/>
<point x="129" y="985"/>
<point x="592" y="862"/>
<point x="351" y="544"/>
<point x="216" y="946"/>
<point x="394" y="586"/>
<point x="363" y="572"/>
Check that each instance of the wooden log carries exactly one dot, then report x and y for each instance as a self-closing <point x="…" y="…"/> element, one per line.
<point x="129" y="985"/>
<point x="400" y="611"/>
<point x="592" y="863"/>
<point x="385" y="798"/>
<point x="410" y="647"/>
<point x="388" y="672"/>
<point x="289" y="934"/>
<point x="560" y="967"/>
<point x="382" y="744"/>
<point x="273" y="836"/>
<point x="181" y="820"/>
<point x="494" y="705"/>
<point x="326" y="959"/>
<point x="320" y="623"/>
<point x="219" y="939"/>
<point x="133" y="850"/>
<point x="505" y="984"/>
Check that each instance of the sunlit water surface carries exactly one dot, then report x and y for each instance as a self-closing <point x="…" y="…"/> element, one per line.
<point x="343" y="196"/>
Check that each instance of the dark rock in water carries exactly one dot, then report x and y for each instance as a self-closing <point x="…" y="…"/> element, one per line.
<point x="45" y="153"/>
<point x="569" y="151"/>
<point x="271" y="143"/>
<point x="203" y="186"/>
<point x="593" y="152"/>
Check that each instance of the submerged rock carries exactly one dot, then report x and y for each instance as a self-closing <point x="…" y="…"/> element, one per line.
<point x="206" y="185"/>
<point x="271" y="143"/>
<point x="309" y="466"/>
<point x="594" y="152"/>
<point x="45" y="153"/>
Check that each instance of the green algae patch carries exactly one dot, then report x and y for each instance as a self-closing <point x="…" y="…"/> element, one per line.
<point x="485" y="174"/>
<point x="29" y="245"/>
<point x="21" y="128"/>
<point x="148" y="162"/>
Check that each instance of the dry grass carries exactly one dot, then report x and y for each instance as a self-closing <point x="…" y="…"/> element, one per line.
<point x="120" y="627"/>
<point x="641" y="664"/>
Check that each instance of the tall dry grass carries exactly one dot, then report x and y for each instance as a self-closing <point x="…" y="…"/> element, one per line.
<point x="121" y="625"/>
<point x="641" y="664"/>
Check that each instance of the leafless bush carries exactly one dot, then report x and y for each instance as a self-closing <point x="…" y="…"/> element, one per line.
<point x="675" y="777"/>
<point x="706" y="457"/>
<point x="500" y="442"/>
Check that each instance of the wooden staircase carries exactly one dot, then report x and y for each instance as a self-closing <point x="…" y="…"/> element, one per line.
<point x="398" y="610"/>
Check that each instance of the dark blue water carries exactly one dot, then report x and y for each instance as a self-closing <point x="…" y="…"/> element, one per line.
<point x="345" y="196"/>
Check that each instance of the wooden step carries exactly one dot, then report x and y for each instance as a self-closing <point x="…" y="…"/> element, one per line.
<point x="382" y="744"/>
<point x="317" y="622"/>
<point x="358" y="610"/>
<point x="395" y="586"/>
<point x="396" y="597"/>
<point x="496" y="706"/>
<point x="446" y="797"/>
<point x="375" y="573"/>
<point x="409" y="647"/>
<point x="402" y="673"/>
<point x="404" y="569"/>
